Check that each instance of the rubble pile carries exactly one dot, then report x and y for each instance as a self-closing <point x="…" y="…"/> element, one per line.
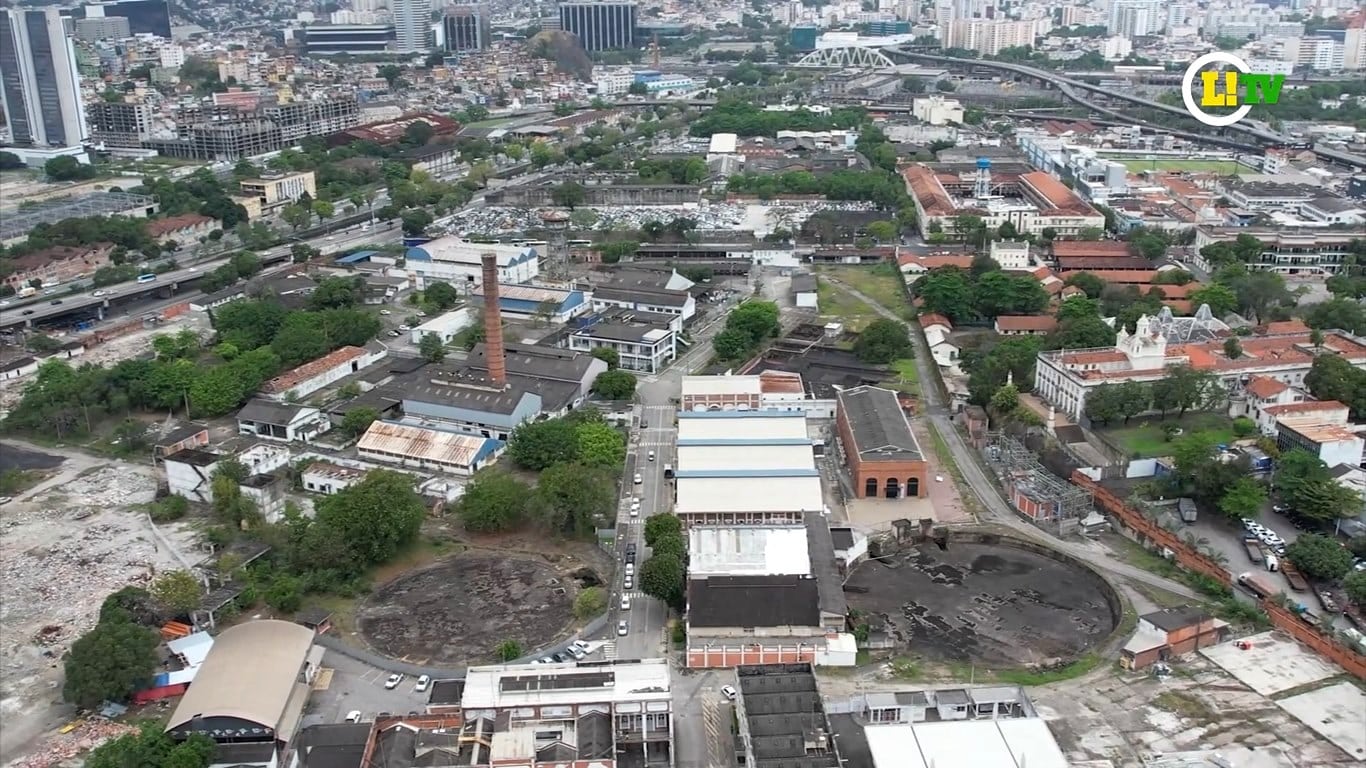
<point x="66" y="747"/>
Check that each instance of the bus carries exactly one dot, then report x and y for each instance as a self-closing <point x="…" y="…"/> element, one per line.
<point x="147" y="278"/>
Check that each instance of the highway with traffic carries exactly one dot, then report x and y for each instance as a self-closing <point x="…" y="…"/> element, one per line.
<point x="176" y="283"/>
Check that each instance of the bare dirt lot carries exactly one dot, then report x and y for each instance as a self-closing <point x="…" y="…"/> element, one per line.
<point x="985" y="603"/>
<point x="64" y="547"/>
<point x="454" y="612"/>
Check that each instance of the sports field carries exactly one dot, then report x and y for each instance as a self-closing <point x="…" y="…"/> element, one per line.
<point x="1140" y="163"/>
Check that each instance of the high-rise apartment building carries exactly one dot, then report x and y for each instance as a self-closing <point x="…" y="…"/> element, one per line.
<point x="119" y="124"/>
<point x="466" y="28"/>
<point x="412" y="25"/>
<point x="107" y="28"/>
<point x="1136" y="18"/>
<point x="145" y="17"/>
<point x="39" y="84"/>
<point x="600" y="26"/>
<point x="989" y="36"/>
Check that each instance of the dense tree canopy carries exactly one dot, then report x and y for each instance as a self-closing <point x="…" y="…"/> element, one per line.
<point x="882" y="341"/>
<point x="494" y="501"/>
<point x="110" y="662"/>
<point x="152" y="747"/>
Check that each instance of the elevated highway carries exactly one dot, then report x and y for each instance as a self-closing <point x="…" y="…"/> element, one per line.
<point x="1076" y="90"/>
<point x="167" y="285"/>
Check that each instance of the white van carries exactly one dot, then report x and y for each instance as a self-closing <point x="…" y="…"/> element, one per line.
<point x="1272" y="563"/>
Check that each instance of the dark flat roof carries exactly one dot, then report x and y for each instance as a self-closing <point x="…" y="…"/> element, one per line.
<point x="194" y="457"/>
<point x="1171" y="619"/>
<point x="754" y="601"/>
<point x="260" y="411"/>
<point x="537" y="362"/>
<point x="446" y="692"/>
<point x="879" y="426"/>
<point x="181" y="433"/>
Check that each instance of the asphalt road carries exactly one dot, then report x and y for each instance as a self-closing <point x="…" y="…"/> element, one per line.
<point x="985" y="488"/>
<point x="44" y="309"/>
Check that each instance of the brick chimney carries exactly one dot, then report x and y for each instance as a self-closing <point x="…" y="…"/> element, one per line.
<point x="493" y="323"/>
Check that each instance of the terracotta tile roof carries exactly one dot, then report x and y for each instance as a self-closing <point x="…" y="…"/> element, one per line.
<point x="1309" y="407"/>
<point x="1265" y="387"/>
<point x="1119" y="277"/>
<point x="1095" y="357"/>
<point x="1173" y="291"/>
<point x="781" y="382"/>
<point x="1056" y="194"/>
<point x="962" y="261"/>
<point x="1026" y="323"/>
<point x="291" y="379"/>
<point x="1090" y="248"/>
<point x="1103" y="263"/>
<point x="1287" y="326"/>
<point x="928" y="191"/>
<point x="161" y="227"/>
<point x="935" y="319"/>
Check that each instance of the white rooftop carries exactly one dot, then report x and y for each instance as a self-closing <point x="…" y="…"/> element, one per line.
<point x="742" y="425"/>
<point x="761" y="550"/>
<point x="723" y="143"/>
<point x="749" y="494"/>
<point x="720" y="385"/>
<point x="1005" y="743"/>
<point x="552" y="684"/>
<point x="745" y="457"/>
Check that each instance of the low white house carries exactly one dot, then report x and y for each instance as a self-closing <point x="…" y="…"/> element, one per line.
<point x="804" y="291"/>
<point x="281" y="421"/>
<point x="446" y="326"/>
<point x="189" y="473"/>
<point x="327" y="478"/>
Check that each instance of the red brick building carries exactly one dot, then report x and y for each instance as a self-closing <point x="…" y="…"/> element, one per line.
<point x="883" y="455"/>
<point x="1162" y="635"/>
<point x="58" y="264"/>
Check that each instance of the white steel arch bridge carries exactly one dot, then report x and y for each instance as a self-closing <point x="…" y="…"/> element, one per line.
<point x="846" y="57"/>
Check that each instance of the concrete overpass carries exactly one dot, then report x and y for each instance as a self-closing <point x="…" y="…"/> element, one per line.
<point x="1073" y="89"/>
<point x="167" y="284"/>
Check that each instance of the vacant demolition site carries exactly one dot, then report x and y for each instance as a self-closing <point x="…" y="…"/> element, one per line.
<point x="983" y="598"/>
<point x="454" y="612"/>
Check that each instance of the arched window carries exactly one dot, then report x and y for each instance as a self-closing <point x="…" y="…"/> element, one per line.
<point x="893" y="489"/>
<point x="870" y="488"/>
<point x="913" y="486"/>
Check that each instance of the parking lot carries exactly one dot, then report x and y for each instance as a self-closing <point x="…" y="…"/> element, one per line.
<point x="346" y="685"/>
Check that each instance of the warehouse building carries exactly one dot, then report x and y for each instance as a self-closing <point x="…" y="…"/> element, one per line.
<point x="427" y="448"/>
<point x="251" y="689"/>
<point x="884" y="458"/>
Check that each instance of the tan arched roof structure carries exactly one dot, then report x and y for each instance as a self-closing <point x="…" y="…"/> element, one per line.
<point x="249" y="675"/>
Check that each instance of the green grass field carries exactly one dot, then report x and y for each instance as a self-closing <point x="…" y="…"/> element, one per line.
<point x="1144" y="439"/>
<point x="1139" y="163"/>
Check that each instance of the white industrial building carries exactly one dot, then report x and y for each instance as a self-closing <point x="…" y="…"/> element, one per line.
<point x="446" y="325"/>
<point x="329" y="369"/>
<point x="327" y="478"/>
<point x="457" y="261"/>
<point x="1003" y="743"/>
<point x="767" y="391"/>
<point x="770" y="475"/>
<point x="753" y="550"/>
<point x="937" y="110"/>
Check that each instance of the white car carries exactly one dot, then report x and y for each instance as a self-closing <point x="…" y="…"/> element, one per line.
<point x="729" y="692"/>
<point x="652" y="455"/>
<point x="635" y="511"/>
<point x="639" y="479"/>
<point x="630" y="569"/>
<point x="98" y="294"/>
<point x="422" y="683"/>
<point x="580" y="644"/>
<point x="622" y="629"/>
<point x="385" y="312"/>
<point x="393" y="681"/>
<point x="353" y="716"/>
<point x="625" y="603"/>
<point x="628" y="582"/>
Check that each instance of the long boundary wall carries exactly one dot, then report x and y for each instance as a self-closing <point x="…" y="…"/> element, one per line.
<point x="1187" y="557"/>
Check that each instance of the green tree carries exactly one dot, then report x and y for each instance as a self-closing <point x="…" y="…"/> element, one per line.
<point x="110" y="662"/>
<point x="415" y="222"/>
<point x="1220" y="299"/>
<point x="151" y="747"/>
<point x="947" y="291"/>
<point x="882" y="231"/>
<point x="323" y="209"/>
<point x="662" y="577"/>
<point x="297" y="215"/>
<point x="357" y="420"/>
<point x="337" y="293"/>
<point x="1243" y="499"/>
<point x="1232" y="349"/>
<point x="375" y="518"/>
<point x="600" y="445"/>
<point x="568" y="194"/>
<point x="607" y="355"/>
<point x="535" y="445"/>
<point x="440" y="296"/>
<point x="177" y="592"/>
<point x="590" y="602"/>
<point x="431" y="348"/>
<point x="1006" y="400"/>
<point x="575" y="500"/>
<point x="731" y="344"/>
<point x="1319" y="557"/>
<point x="1332" y="377"/>
<point x="1191" y="389"/>
<point x="68" y="168"/>
<point x="615" y="385"/>
<point x="662" y="526"/>
<point x="508" y="650"/>
<point x="1355" y="586"/>
<point x="285" y="593"/>
<point x="494" y="501"/>
<point x="882" y="341"/>
<point x="1088" y="282"/>
<point x="1341" y="313"/>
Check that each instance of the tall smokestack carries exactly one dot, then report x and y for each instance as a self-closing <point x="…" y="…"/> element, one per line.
<point x="493" y="323"/>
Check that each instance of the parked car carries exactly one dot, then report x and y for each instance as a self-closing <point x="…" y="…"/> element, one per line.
<point x="422" y="683"/>
<point x="353" y="716"/>
<point x="625" y="603"/>
<point x="622" y="629"/>
<point x="393" y="681"/>
<point x="557" y="657"/>
<point x="638" y="479"/>
<point x="575" y="651"/>
<point x="628" y="582"/>
<point x="580" y="644"/>
<point x="729" y="692"/>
